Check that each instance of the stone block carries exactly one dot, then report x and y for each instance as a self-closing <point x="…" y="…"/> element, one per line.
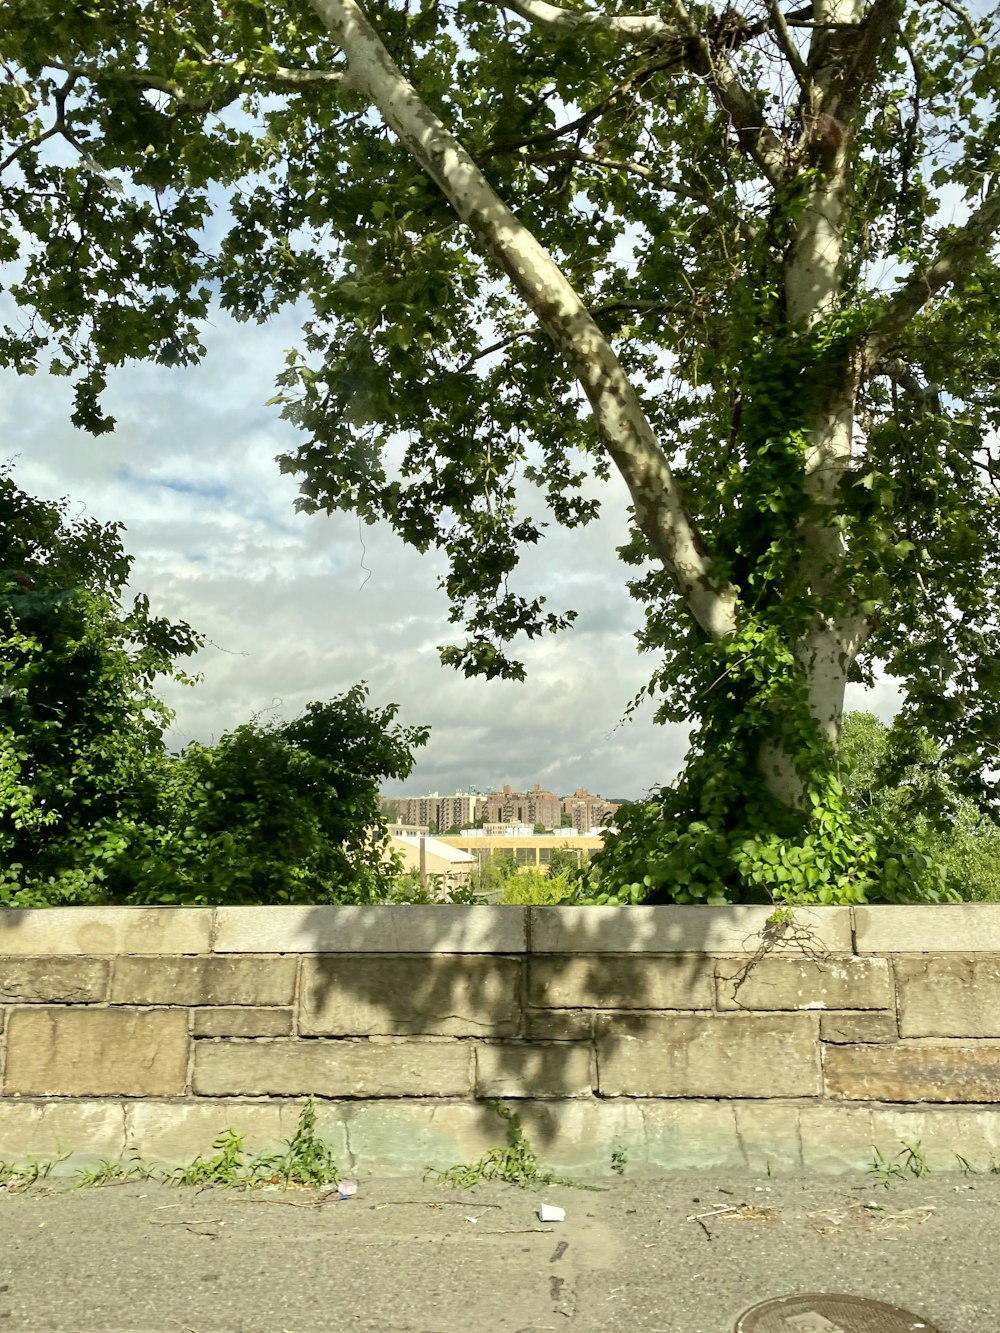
<point x="914" y="1072"/>
<point x="237" y="1022"/>
<point x="174" y="1133"/>
<point x="348" y="1068"/>
<point x="943" y="1132"/>
<point x="42" y="931"/>
<point x="954" y="995"/>
<point x="54" y="980"/>
<point x="515" y="1069"/>
<point x="723" y="1055"/>
<point x="691" y="1136"/>
<point x="66" y="1052"/>
<point x="934" y="928"/>
<point x="204" y="980"/>
<point x="578" y="1137"/>
<point x="86" y="1130"/>
<point x="405" y="1137"/>
<point x="856" y="1028"/>
<point x="558" y="1024"/>
<point x="622" y="981"/>
<point x="460" y="995"/>
<point x="782" y="982"/>
<point x="769" y="1136"/>
<point x="430" y="928"/>
<point x="836" y="1137"/>
<point x="674" y="929"/>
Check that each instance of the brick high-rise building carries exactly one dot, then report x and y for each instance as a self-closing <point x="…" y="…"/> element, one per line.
<point x="586" y="810"/>
<point x="523" y="807"/>
<point x="419" y="809"/>
<point x="440" y="812"/>
<point x="458" y="811"/>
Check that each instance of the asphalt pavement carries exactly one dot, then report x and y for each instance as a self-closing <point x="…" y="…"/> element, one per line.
<point x="685" y="1253"/>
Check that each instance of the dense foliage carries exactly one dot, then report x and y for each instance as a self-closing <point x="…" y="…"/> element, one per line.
<point x="282" y="813"/>
<point x="895" y="779"/>
<point x="918" y="838"/>
<point x="80" y="727"/>
<point x="93" y="808"/>
<point x="744" y="255"/>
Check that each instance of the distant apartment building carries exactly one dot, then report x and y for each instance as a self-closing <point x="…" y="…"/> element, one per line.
<point x="503" y="809"/>
<point x="422" y="810"/>
<point x="436" y="811"/>
<point x="587" y="811"/>
<point x="523" y="807"/>
<point x="459" y="810"/>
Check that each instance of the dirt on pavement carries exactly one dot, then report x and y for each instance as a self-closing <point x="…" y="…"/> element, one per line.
<point x="685" y="1253"/>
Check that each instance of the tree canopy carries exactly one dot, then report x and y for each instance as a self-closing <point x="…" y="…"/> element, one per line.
<point x="80" y="724"/>
<point x="94" y="809"/>
<point x="743" y="255"/>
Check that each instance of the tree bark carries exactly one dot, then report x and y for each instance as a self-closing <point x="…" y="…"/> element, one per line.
<point x="625" y="431"/>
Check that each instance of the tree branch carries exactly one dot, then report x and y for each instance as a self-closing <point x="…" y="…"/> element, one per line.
<point x="927" y="395"/>
<point x="633" y="27"/>
<point x="955" y="260"/>
<point x="790" y="51"/>
<point x="58" y="126"/>
<point x="297" y="80"/>
<point x="624" y="429"/>
<point x="708" y="58"/>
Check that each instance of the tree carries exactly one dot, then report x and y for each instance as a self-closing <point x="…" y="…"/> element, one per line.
<point x="895" y="778"/>
<point x="281" y="812"/>
<point x="93" y="808"/>
<point x="81" y="749"/>
<point x="760" y="242"/>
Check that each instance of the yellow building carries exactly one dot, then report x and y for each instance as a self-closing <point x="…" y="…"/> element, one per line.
<point x="448" y="867"/>
<point x="534" y="853"/>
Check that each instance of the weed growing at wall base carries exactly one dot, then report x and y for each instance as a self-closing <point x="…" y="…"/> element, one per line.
<point x="911" y="1161"/>
<point x="515" y="1164"/>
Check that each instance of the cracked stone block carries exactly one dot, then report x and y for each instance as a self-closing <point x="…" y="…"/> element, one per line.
<point x="954" y="995"/>
<point x="241" y="1022"/>
<point x="44" y="931"/>
<point x="621" y="981"/>
<point x="348" y="1068"/>
<point x="82" y="1132"/>
<point x="416" y="928"/>
<point x="512" y="1069"/>
<point x="205" y="980"/>
<point x="857" y="1028"/>
<point x="804" y="983"/>
<point x="54" y="980"/>
<point x="670" y="928"/>
<point x="461" y="995"/>
<point x="720" y="1055"/>
<point x="175" y="1132"/>
<point x="919" y="1072"/>
<point x="68" y="1052"/>
<point x="558" y="1024"/>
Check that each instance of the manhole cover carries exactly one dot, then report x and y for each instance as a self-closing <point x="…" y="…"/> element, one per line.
<point x="814" y="1312"/>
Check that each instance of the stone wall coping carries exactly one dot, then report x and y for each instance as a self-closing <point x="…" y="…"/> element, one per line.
<point x="440" y="928"/>
<point x="37" y="931"/>
<point x="674" y="929"/>
<point x="935" y="928"/>
<point x="416" y="928"/>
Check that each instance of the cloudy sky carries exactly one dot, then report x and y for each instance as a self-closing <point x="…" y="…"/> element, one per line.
<point x="287" y="601"/>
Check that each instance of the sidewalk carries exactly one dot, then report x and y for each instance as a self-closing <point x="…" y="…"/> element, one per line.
<point x="404" y="1256"/>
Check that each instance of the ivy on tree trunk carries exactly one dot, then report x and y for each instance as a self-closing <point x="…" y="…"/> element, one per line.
<point x="744" y="256"/>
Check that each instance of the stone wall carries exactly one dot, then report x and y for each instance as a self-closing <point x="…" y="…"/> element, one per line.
<point x="678" y="1036"/>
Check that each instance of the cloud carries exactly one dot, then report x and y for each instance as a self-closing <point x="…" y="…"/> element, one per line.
<point x="300" y="608"/>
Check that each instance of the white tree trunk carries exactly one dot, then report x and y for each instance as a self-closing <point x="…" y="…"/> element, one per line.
<point x="813" y="282"/>
<point x="625" y="431"/>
